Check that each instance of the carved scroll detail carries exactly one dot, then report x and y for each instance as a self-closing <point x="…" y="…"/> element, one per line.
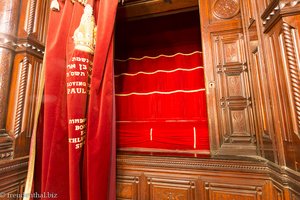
<point x="293" y="68"/>
<point x="21" y="97"/>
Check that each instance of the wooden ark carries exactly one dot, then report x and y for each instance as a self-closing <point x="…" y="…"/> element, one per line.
<point x="252" y="73"/>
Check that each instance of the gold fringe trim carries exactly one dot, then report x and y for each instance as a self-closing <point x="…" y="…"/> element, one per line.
<point x="159" y="71"/>
<point x="159" y="92"/>
<point x="161" y="55"/>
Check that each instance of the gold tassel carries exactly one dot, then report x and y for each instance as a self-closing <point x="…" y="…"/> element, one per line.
<point x="54" y="5"/>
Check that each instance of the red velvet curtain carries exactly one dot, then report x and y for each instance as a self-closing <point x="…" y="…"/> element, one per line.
<point x="161" y="102"/>
<point x="76" y="158"/>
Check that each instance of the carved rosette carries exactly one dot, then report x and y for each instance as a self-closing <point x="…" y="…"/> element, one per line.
<point x="226" y="9"/>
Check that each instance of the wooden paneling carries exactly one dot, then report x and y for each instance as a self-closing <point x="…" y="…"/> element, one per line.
<point x="33" y="20"/>
<point x="26" y="69"/>
<point x="170" y="188"/>
<point x="226" y="192"/>
<point x="282" y="39"/>
<point x="259" y="84"/>
<point x="127" y="187"/>
<point x="12" y="176"/>
<point x="233" y="93"/>
<point x="8" y="28"/>
<point x="25" y="78"/>
<point x="228" y="96"/>
<point x="206" y="179"/>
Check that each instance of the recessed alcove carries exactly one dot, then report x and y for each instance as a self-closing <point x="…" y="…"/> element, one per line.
<point x="160" y="84"/>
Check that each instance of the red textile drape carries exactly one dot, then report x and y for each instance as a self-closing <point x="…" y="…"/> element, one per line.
<point x="161" y="102"/>
<point x="88" y="174"/>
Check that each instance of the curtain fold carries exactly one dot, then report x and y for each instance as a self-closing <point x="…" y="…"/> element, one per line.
<point x="76" y="151"/>
<point x="161" y="102"/>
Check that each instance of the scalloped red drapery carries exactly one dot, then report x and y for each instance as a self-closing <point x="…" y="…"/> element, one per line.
<point x="161" y="102"/>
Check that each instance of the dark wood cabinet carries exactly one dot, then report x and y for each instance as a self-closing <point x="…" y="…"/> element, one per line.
<point x="252" y="64"/>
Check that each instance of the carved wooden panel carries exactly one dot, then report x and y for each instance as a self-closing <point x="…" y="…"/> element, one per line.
<point x="233" y="92"/>
<point x="290" y="47"/>
<point x="208" y="179"/>
<point x="171" y="189"/>
<point x="265" y="131"/>
<point x="10" y="194"/>
<point x="283" y="41"/>
<point x="127" y="187"/>
<point x="277" y="193"/>
<point x="259" y="80"/>
<point x="218" y="191"/>
<point x="12" y="176"/>
<point x="34" y="19"/>
<point x="8" y="28"/>
<point x="232" y="125"/>
<point x="13" y="192"/>
<point x="23" y="90"/>
<point x="23" y="61"/>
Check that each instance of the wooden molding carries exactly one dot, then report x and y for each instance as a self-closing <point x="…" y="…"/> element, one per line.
<point x="132" y="10"/>
<point x="181" y="176"/>
<point x="278" y="9"/>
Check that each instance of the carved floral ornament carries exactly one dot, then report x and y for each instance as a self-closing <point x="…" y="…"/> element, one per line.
<point x="226" y="9"/>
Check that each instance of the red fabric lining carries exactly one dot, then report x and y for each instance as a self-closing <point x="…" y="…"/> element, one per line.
<point x="189" y="80"/>
<point x="162" y="121"/>
<point x="178" y="106"/>
<point x="165" y="135"/>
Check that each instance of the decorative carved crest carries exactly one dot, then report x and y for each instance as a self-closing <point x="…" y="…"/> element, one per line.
<point x="226" y="9"/>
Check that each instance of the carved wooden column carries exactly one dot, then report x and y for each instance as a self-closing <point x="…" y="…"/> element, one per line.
<point x="9" y="10"/>
<point x="26" y="69"/>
